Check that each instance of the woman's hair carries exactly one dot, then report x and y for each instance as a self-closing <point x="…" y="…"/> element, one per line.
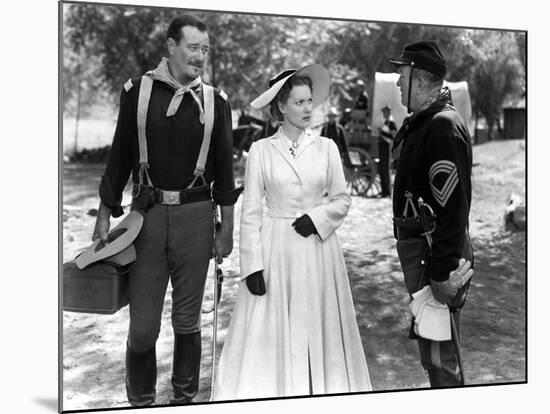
<point x="284" y="93"/>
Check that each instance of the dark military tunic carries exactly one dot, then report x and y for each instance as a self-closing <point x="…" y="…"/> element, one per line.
<point x="435" y="163"/>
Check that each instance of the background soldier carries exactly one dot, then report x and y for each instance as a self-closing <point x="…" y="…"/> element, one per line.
<point x="333" y="130"/>
<point x="362" y="100"/>
<point x="385" y="142"/>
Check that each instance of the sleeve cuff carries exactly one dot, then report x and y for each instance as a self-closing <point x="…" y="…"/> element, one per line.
<point x="108" y="198"/>
<point x="320" y="221"/>
<point x="226" y="198"/>
<point x="439" y="270"/>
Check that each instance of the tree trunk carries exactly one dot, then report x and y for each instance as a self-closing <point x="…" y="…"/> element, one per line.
<point x="499" y="127"/>
<point x="78" y="99"/>
<point x="490" y="123"/>
<point x="475" y="127"/>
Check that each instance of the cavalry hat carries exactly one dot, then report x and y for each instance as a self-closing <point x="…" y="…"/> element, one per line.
<point x="423" y="55"/>
<point x="320" y="81"/>
<point x="119" y="248"/>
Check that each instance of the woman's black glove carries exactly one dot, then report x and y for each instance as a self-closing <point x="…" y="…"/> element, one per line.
<point x="255" y="283"/>
<point x="304" y="226"/>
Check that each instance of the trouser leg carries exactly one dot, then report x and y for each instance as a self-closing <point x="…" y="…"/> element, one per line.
<point x="190" y="246"/>
<point x="439" y="360"/>
<point x="147" y="284"/>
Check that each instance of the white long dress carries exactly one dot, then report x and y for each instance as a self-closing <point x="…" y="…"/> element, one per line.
<point x="302" y="334"/>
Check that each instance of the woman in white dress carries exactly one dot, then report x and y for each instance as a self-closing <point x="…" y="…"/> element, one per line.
<point x="293" y="331"/>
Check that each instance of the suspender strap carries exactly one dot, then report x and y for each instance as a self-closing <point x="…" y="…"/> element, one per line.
<point x="208" y="94"/>
<point x="143" y="105"/>
<point x="409" y="203"/>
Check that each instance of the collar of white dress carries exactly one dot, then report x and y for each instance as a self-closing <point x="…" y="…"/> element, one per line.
<point x="290" y="143"/>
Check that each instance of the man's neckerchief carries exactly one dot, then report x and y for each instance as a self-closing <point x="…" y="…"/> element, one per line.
<point x="162" y="73"/>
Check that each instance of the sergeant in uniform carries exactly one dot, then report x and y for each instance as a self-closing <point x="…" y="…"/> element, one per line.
<point x="386" y="137"/>
<point x="335" y="131"/>
<point x="175" y="196"/>
<point x="435" y="164"/>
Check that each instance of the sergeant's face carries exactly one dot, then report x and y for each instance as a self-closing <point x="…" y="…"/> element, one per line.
<point x="189" y="56"/>
<point x="403" y="82"/>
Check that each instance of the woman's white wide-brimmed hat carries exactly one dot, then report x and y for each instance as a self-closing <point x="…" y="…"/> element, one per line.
<point x="320" y="81"/>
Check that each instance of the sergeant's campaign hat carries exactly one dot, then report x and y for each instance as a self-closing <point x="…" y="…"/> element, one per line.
<point x="423" y="55"/>
<point x="119" y="249"/>
<point x="320" y="81"/>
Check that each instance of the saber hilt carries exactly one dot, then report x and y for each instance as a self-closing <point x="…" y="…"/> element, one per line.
<point x="427" y="220"/>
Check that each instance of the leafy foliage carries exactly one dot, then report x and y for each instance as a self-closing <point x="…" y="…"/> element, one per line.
<point x="118" y="42"/>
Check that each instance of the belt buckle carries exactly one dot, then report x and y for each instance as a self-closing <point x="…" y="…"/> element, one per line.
<point x="170" y="197"/>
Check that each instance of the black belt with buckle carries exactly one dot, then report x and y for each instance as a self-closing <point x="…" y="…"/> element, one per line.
<point x="175" y="198"/>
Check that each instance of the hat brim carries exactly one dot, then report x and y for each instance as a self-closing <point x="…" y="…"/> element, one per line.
<point x="400" y="62"/>
<point x="320" y="84"/>
<point x="123" y="235"/>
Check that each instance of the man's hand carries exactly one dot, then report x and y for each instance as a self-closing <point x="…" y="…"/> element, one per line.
<point x="463" y="273"/>
<point x="444" y="291"/>
<point x="223" y="236"/>
<point x="223" y="244"/>
<point x="102" y="224"/>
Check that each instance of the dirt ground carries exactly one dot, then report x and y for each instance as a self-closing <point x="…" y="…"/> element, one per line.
<point x="493" y="327"/>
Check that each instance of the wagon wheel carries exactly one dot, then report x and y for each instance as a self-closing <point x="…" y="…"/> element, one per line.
<point x="362" y="174"/>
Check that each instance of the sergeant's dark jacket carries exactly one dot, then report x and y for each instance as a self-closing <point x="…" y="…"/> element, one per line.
<point x="436" y="164"/>
<point x="173" y="145"/>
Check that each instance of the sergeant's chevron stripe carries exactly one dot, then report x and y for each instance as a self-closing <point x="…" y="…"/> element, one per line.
<point x="448" y="168"/>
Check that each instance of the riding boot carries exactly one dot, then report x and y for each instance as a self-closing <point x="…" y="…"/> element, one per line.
<point x="440" y="378"/>
<point x="186" y="367"/>
<point x="141" y="376"/>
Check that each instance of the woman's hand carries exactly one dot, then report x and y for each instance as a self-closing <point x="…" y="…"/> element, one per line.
<point x="255" y="283"/>
<point x="304" y="226"/>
